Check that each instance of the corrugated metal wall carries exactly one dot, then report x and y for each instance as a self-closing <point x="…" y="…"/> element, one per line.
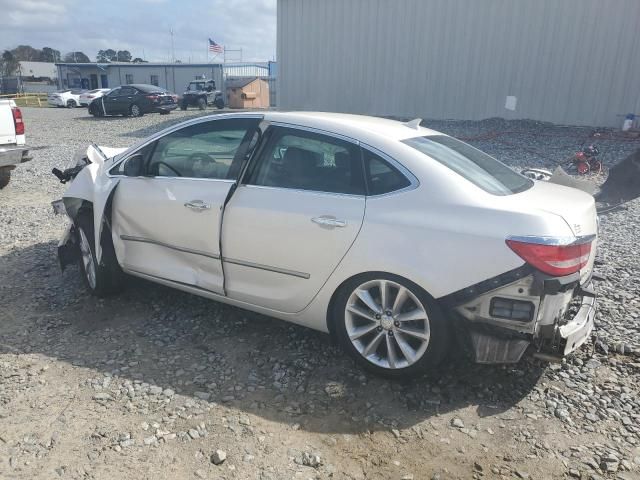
<point x="567" y="61"/>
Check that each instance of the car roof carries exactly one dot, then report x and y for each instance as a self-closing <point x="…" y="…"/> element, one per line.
<point x="352" y="125"/>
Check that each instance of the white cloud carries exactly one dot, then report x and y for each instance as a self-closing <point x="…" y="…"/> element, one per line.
<point x="143" y="27"/>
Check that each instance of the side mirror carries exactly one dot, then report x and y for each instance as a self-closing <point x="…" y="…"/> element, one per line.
<point x="134" y="166"/>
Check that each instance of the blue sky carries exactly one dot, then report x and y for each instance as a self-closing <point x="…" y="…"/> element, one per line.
<point x="142" y="26"/>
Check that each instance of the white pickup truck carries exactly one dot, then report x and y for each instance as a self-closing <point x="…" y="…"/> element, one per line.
<point x="13" y="150"/>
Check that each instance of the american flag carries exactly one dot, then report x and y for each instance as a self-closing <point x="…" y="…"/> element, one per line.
<point x="214" y="47"/>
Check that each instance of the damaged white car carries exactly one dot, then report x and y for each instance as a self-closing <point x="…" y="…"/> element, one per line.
<point x="402" y="242"/>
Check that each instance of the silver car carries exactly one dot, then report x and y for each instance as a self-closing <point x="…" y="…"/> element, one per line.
<point x="394" y="238"/>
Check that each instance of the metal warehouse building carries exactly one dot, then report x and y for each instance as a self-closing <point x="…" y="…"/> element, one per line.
<point x="564" y="61"/>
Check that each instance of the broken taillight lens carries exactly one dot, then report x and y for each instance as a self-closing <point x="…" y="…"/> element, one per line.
<point x="17" y="120"/>
<point x="552" y="256"/>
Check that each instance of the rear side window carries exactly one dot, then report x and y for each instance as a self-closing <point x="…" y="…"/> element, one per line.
<point x="304" y="160"/>
<point x="474" y="165"/>
<point x="381" y="176"/>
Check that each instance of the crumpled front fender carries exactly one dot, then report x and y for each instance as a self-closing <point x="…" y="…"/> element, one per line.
<point x="93" y="185"/>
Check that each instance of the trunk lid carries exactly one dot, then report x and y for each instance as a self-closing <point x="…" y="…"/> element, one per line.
<point x="7" y="127"/>
<point x="576" y="208"/>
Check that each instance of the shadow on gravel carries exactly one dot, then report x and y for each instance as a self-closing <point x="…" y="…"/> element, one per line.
<point x="203" y="349"/>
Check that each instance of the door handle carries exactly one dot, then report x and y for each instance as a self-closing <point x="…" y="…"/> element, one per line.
<point x="197" y="205"/>
<point x="328" y="221"/>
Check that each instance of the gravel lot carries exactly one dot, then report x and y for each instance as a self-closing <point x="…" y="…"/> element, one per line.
<point x="159" y="384"/>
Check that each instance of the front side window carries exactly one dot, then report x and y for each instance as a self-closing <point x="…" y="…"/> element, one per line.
<point x="472" y="164"/>
<point x="303" y="160"/>
<point x="114" y="93"/>
<point x="204" y="150"/>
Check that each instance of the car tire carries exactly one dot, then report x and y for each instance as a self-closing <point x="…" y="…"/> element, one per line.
<point x="202" y="104"/>
<point x="135" y="110"/>
<point x="5" y="176"/>
<point x="405" y="337"/>
<point x="71" y="104"/>
<point x="219" y="103"/>
<point x="105" y="278"/>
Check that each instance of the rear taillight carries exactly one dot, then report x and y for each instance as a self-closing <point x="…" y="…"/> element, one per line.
<point x="153" y="98"/>
<point x="553" y="256"/>
<point x="17" y="120"/>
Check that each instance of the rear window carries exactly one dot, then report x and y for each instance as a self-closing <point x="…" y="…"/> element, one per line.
<point x="479" y="168"/>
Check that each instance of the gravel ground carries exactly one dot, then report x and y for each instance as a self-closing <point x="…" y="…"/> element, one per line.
<point x="159" y="384"/>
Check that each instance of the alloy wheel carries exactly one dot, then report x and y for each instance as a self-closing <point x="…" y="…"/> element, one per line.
<point x="135" y="110"/>
<point x="387" y="324"/>
<point x="87" y="259"/>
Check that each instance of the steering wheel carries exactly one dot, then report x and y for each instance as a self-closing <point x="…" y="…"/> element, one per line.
<point x="202" y="156"/>
<point x="170" y="167"/>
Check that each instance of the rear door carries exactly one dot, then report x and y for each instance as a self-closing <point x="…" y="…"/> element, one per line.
<point x="166" y="224"/>
<point x="293" y="218"/>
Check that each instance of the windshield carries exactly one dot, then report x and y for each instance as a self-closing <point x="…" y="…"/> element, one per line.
<point x="194" y="87"/>
<point x="474" y="165"/>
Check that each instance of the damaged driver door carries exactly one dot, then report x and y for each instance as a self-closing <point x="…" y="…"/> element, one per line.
<point x="167" y="206"/>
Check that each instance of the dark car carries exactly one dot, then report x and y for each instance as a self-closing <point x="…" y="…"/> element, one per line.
<point x="134" y="100"/>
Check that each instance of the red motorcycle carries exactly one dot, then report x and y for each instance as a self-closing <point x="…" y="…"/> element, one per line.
<point x="586" y="161"/>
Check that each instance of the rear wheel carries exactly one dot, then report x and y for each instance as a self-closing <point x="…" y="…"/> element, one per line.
<point x="135" y="110"/>
<point x="106" y="277"/>
<point x="389" y="325"/>
<point x="5" y="176"/>
<point x="219" y="103"/>
<point x="71" y="104"/>
<point x="202" y="104"/>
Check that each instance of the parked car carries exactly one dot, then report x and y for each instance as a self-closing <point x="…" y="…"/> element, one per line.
<point x="394" y="238"/>
<point x="200" y="93"/>
<point x="65" y="98"/>
<point x="13" y="150"/>
<point x="87" y="97"/>
<point x="134" y="100"/>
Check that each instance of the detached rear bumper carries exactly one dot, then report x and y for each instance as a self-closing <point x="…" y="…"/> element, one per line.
<point x="524" y="310"/>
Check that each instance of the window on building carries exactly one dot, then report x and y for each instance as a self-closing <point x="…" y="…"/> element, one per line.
<point x="154" y="80"/>
<point x="128" y="78"/>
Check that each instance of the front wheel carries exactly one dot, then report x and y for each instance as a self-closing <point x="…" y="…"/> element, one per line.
<point x="104" y="278"/>
<point x="389" y="325"/>
<point x="71" y="104"/>
<point x="202" y="104"/>
<point x="219" y="103"/>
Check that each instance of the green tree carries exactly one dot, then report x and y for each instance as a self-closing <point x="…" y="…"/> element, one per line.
<point x="9" y="64"/>
<point x="76" y="57"/>
<point x="26" y="53"/>
<point x="123" y="56"/>
<point x="105" y="56"/>
<point x="50" y="55"/>
<point x="138" y="60"/>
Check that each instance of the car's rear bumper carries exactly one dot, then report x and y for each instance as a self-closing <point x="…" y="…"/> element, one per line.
<point x="165" y="108"/>
<point x="13" y="155"/>
<point x="560" y="319"/>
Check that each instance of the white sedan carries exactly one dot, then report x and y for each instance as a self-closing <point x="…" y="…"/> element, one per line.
<point x="402" y="242"/>
<point x="65" y="98"/>
<point x="87" y="97"/>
